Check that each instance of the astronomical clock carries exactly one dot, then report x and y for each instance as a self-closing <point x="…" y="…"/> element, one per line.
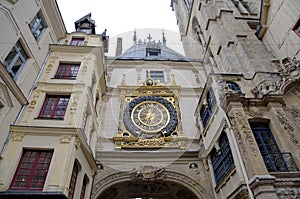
<point x="149" y="117"/>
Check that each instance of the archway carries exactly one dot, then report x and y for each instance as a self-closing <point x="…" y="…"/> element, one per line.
<point x="147" y="190"/>
<point x="155" y="183"/>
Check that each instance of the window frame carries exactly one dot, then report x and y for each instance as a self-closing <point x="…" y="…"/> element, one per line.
<point x="221" y="158"/>
<point x="187" y="4"/>
<point x="156" y="75"/>
<point x="207" y="110"/>
<point x="233" y="86"/>
<point x="296" y="28"/>
<point x="73" y="180"/>
<point x="20" y="54"/>
<point x="23" y="166"/>
<point x="77" y="41"/>
<point x="268" y="147"/>
<point x="83" y="187"/>
<point x="65" y="70"/>
<point x="54" y="107"/>
<point x="37" y="25"/>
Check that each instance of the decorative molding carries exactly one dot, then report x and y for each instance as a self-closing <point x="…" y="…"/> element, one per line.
<point x="243" y="133"/>
<point x="147" y="173"/>
<point x="18" y="137"/>
<point x="65" y="139"/>
<point x="281" y="116"/>
<point x="289" y="72"/>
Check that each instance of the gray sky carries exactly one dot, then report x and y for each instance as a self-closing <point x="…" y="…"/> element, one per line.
<point x="119" y="16"/>
<point x="122" y="17"/>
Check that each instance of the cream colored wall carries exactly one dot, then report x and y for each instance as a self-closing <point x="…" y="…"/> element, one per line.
<point x="65" y="151"/>
<point x="14" y="20"/>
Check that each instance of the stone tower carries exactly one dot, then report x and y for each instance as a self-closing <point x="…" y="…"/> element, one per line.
<point x="247" y="115"/>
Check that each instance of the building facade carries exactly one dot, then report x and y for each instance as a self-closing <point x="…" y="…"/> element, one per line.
<point x="150" y="123"/>
<point x="247" y="115"/>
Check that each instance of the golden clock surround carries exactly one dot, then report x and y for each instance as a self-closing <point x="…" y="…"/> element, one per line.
<point x="124" y="139"/>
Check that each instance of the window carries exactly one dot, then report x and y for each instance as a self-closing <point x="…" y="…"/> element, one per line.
<point x="73" y="181"/>
<point x="67" y="71"/>
<point x="188" y="4"/>
<point x="206" y="110"/>
<point x="15" y="60"/>
<point x="268" y="147"/>
<point x="297" y="28"/>
<point x="156" y="75"/>
<point x="153" y="52"/>
<point x="222" y="160"/>
<point x="234" y="87"/>
<point x="37" y="25"/>
<point x="77" y="41"/>
<point x="32" y="170"/>
<point x="83" y="188"/>
<point x="54" y="107"/>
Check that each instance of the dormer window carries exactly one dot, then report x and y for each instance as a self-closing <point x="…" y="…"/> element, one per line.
<point x="152" y="52"/>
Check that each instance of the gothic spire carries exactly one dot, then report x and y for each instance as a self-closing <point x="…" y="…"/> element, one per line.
<point x="164" y="38"/>
<point x="134" y="37"/>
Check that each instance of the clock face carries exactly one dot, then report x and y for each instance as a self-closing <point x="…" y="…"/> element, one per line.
<point x="150" y="116"/>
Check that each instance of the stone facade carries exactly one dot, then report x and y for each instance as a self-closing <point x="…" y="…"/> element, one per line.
<point x="220" y="122"/>
<point x="250" y="53"/>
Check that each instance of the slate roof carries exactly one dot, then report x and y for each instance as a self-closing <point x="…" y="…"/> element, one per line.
<point x="141" y="50"/>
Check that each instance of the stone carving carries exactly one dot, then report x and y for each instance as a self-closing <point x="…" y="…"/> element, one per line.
<point x="295" y="113"/>
<point x="287" y="126"/>
<point x="148" y="172"/>
<point x="288" y="193"/>
<point x="34" y="100"/>
<point x="65" y="139"/>
<point x="289" y="72"/>
<point x="194" y="168"/>
<point x="243" y="132"/>
<point x="49" y="67"/>
<point x="18" y="137"/>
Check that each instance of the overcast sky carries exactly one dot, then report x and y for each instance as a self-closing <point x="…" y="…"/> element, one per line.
<point x="119" y="16"/>
<point x="123" y="17"/>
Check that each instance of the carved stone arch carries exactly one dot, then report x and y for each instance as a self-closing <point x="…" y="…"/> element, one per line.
<point x="170" y="177"/>
<point x="290" y="85"/>
<point x="259" y="119"/>
<point x="291" y="99"/>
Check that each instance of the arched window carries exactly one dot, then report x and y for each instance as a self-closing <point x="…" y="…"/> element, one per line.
<point x="83" y="187"/>
<point x="268" y="147"/>
<point x="206" y="110"/>
<point x="73" y="180"/>
<point x="233" y="86"/>
<point x="222" y="160"/>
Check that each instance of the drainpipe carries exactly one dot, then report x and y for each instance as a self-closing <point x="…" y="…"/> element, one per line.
<point x="264" y="12"/>
<point x="23" y="106"/>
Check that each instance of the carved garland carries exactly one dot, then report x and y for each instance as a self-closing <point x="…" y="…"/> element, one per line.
<point x="287" y="126"/>
<point x="290" y="72"/>
<point x="241" y="127"/>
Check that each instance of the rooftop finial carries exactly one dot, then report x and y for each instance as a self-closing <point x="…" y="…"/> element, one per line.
<point x="164" y="38"/>
<point x="149" y="37"/>
<point x="134" y="36"/>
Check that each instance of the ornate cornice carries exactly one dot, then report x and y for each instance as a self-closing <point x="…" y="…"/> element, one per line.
<point x="289" y="73"/>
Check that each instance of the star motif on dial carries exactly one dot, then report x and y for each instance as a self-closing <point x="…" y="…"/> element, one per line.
<point x="150" y="116"/>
